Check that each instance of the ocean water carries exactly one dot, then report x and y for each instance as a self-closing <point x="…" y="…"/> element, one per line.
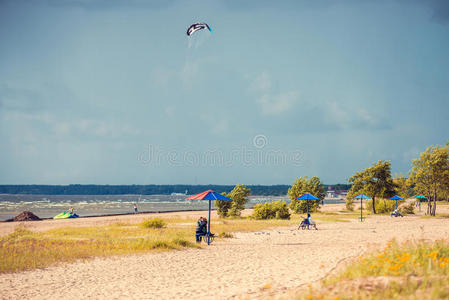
<point x="48" y="206"/>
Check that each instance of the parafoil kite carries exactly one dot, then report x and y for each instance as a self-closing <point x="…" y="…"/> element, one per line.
<point x="197" y="26"/>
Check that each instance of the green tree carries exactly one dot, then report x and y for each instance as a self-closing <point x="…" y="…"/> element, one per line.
<point x="374" y="181"/>
<point x="239" y="196"/>
<point x="301" y="186"/>
<point x="430" y="174"/>
<point x="222" y="207"/>
<point x="402" y="186"/>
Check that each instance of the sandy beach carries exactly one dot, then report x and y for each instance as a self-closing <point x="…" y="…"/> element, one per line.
<point x="250" y="265"/>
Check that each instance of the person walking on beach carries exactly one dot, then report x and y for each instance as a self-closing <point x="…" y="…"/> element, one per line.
<point x="135" y="208"/>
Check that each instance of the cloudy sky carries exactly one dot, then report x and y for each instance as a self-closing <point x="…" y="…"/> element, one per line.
<point x="114" y="92"/>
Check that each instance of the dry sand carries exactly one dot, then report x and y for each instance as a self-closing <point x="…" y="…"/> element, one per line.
<point x="280" y="260"/>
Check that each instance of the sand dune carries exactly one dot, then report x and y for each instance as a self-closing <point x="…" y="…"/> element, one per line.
<point x="251" y="265"/>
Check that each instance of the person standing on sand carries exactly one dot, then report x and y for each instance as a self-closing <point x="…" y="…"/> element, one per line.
<point x="135" y="208"/>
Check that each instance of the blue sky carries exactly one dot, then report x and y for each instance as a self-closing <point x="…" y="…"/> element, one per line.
<point x="114" y="92"/>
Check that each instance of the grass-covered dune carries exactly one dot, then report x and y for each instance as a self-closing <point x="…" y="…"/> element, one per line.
<point x="27" y="250"/>
<point x="410" y="270"/>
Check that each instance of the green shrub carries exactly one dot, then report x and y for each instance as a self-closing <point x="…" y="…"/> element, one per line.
<point x="282" y="211"/>
<point x="182" y="242"/>
<point x="153" y="223"/>
<point x="407" y="208"/>
<point x="350" y="204"/>
<point x="271" y="210"/>
<point x="224" y="234"/>
<point x="383" y="206"/>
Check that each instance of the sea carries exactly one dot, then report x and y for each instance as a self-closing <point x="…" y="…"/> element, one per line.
<point x="48" y="206"/>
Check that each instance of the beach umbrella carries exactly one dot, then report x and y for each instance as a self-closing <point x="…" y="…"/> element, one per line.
<point x="307" y="196"/>
<point x="419" y="197"/>
<point x="396" y="198"/>
<point x="209" y="195"/>
<point x="361" y="197"/>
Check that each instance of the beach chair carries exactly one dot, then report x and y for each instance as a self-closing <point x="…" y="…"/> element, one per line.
<point x="396" y="213"/>
<point x="305" y="224"/>
<point x="204" y="237"/>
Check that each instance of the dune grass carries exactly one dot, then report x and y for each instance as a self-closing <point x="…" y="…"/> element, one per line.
<point x="27" y="250"/>
<point x="401" y="271"/>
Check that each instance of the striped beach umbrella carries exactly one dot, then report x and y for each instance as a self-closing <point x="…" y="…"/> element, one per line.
<point x="209" y="195"/>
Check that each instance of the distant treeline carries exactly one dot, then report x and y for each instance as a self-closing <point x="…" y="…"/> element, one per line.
<point x="152" y="189"/>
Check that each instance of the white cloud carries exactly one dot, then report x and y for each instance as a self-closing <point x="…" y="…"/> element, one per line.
<point x="277" y="104"/>
<point x="261" y="83"/>
<point x="270" y="102"/>
<point x="216" y="126"/>
<point x="61" y="128"/>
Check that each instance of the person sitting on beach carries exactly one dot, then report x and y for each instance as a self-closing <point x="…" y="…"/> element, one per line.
<point x="306" y="221"/>
<point x="201" y="229"/>
<point x="311" y="222"/>
<point x="396" y="213"/>
<point x="204" y="226"/>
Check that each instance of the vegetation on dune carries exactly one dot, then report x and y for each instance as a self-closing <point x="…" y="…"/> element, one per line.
<point x="26" y="250"/>
<point x="239" y="196"/>
<point x="430" y="175"/>
<point x="154" y="223"/>
<point x="271" y="210"/>
<point x="374" y="181"/>
<point x="400" y="271"/>
<point x="304" y="185"/>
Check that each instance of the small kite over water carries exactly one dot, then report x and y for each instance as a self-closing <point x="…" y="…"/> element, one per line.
<point x="197" y="26"/>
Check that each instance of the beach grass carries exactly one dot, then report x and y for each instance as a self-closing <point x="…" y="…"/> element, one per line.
<point x="400" y="271"/>
<point x="27" y="250"/>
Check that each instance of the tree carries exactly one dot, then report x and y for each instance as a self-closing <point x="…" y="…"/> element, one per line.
<point x="239" y="196"/>
<point x="402" y="186"/>
<point x="301" y="186"/>
<point x="222" y="207"/>
<point x="430" y="174"/>
<point x="374" y="181"/>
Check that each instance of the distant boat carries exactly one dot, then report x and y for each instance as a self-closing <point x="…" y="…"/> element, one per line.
<point x="179" y="194"/>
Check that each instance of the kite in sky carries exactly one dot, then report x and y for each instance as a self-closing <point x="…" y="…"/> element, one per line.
<point x="197" y="26"/>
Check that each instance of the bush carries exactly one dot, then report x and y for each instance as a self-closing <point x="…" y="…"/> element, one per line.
<point x="271" y="210"/>
<point x="350" y="204"/>
<point x="383" y="206"/>
<point x="407" y="208"/>
<point x="182" y="242"/>
<point x="224" y="234"/>
<point x="153" y="223"/>
<point x="281" y="210"/>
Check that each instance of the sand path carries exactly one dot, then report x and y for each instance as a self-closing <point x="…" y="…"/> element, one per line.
<point x="281" y="259"/>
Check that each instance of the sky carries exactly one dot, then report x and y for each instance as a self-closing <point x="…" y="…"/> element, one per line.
<point x="115" y="92"/>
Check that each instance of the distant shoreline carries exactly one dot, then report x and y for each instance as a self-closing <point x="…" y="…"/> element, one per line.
<point x="149" y="189"/>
